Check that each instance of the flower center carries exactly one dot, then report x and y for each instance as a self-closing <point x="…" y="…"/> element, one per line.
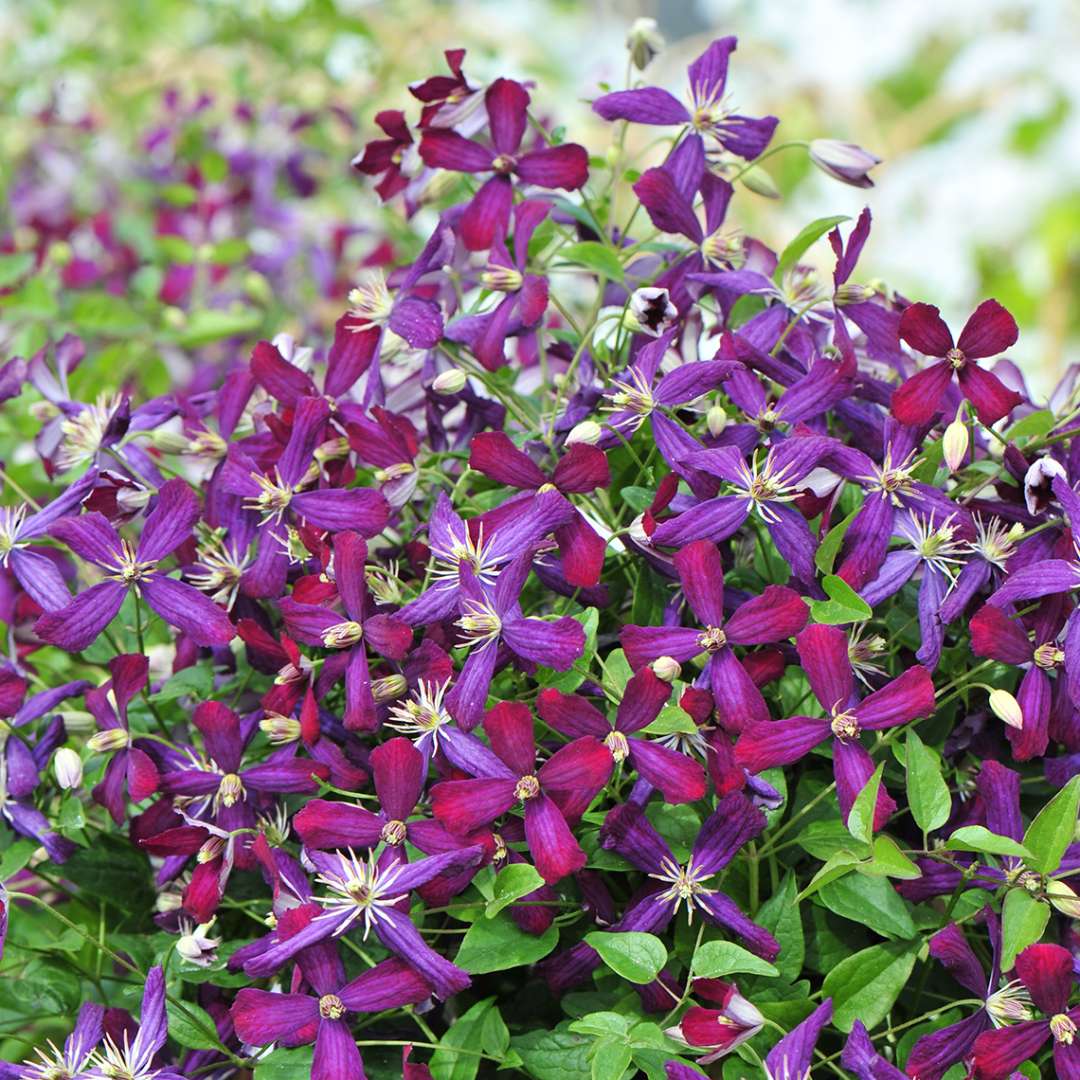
<point x="343" y="634"/>
<point x="230" y="790"/>
<point x="371" y="303"/>
<point x="480" y="623"/>
<point x="393" y="832"/>
<point x="712" y="639"/>
<point x="528" y="787"/>
<point x="956" y="358"/>
<point x="723" y="247"/>
<point x="109" y="741"/>
<point x="1063" y="1029"/>
<point x="273" y="498"/>
<point x="11" y="521"/>
<point x="127" y="568"/>
<point x="617" y="743"/>
<point x="844" y="725"/>
<point x="331" y="1007"/>
<point x="501" y="278"/>
<point x="504" y="164"/>
<point x="1048" y="655"/>
<point x="1009" y="1005"/>
<point x="684" y="884"/>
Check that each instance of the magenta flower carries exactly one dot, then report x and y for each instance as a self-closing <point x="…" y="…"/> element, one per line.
<point x="385" y="157"/>
<point x="487" y="215"/>
<point x="775" y="615"/>
<point x="559" y="789"/>
<point x="709" y="112"/>
<point x="989" y="331"/>
<point x="823" y="651"/>
<point x="718" y="1031"/>
<point x="1047" y="972"/>
<point x="323" y="1017"/>
<point x="128" y="764"/>
<point x="581" y="469"/>
<point x="92" y="538"/>
<point x="678" y="778"/>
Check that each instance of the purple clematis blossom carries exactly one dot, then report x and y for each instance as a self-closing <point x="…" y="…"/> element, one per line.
<point x="487" y="215"/>
<point x="72" y="1059"/>
<point x="793" y="1056"/>
<point x="989" y="331"/>
<point x="678" y="778"/>
<point x="296" y="1019"/>
<point x="823" y="651"/>
<point x="775" y="615"/>
<point x="20" y="772"/>
<point x="709" y="112"/>
<point x="129" y="764"/>
<point x="35" y="571"/>
<point x="735" y="820"/>
<point x="560" y="789"/>
<point x="92" y="538"/>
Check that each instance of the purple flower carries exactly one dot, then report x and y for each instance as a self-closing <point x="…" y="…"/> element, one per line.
<point x="775" y="615"/>
<point x="322" y="1017"/>
<point x="709" y="112"/>
<point x="92" y="538"/>
<point x="487" y="215"/>
<point x="823" y="651"/>
<point x="792" y="1057"/>
<point x="75" y="1055"/>
<point x="861" y="1059"/>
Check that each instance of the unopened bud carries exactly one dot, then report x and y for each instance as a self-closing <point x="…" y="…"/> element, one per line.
<point x="1005" y="707"/>
<point x="389" y="688"/>
<point x="132" y="499"/>
<point x="170" y="442"/>
<point x="1064" y="898"/>
<point x="716" y="419"/>
<point x="1038" y="482"/>
<point x="332" y="450"/>
<point x="757" y="180"/>
<point x="449" y="382"/>
<point x="67" y="765"/>
<point x="844" y="161"/>
<point x="60" y="253"/>
<point x="666" y="668"/>
<point x="850" y="293"/>
<point x="506" y="279"/>
<point x="651" y="311"/>
<point x="955" y="442"/>
<point x="644" y="41"/>
<point x="174" y="318"/>
<point x="280" y="729"/>
<point x="588" y="432"/>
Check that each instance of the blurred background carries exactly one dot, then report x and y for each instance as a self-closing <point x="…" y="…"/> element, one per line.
<point x="155" y="154"/>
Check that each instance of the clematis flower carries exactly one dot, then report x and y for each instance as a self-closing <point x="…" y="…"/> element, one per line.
<point x="678" y="778"/>
<point x="1047" y="972"/>
<point x="793" y="1056"/>
<point x="823" y="652"/>
<point x="719" y="1031"/>
<point x="129" y="763"/>
<point x="369" y="891"/>
<point x="69" y="1061"/>
<point x="735" y="820"/>
<point x="580" y="470"/>
<point x="387" y="157"/>
<point x="296" y="1019"/>
<point x="709" y="112"/>
<point x="491" y="616"/>
<point x="486" y="217"/>
<point x="525" y="295"/>
<point x="775" y="615"/>
<point x="1006" y="1002"/>
<point x="561" y="788"/>
<point x="35" y="571"/>
<point x="92" y="538"/>
<point x="989" y="332"/>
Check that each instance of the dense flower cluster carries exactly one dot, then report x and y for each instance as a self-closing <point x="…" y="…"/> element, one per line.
<point x="621" y="645"/>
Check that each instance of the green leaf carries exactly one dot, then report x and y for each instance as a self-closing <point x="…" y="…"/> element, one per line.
<point x="192" y="1026"/>
<point x="1032" y="426"/>
<point x="836" y="866"/>
<point x="497" y="944"/>
<point x="16" y="857"/>
<point x="860" y="821"/>
<point x="593" y="256"/>
<point x="871" y="901"/>
<point x="638" y="498"/>
<point x="1023" y="920"/>
<point x="204" y="327"/>
<point x="285" y="1064"/>
<point x="466" y="1033"/>
<point x="928" y="794"/>
<point x="494" y="1034"/>
<point x="637" y="957"/>
<point x="671" y="719"/>
<point x="1053" y="829"/>
<point x="864" y="986"/>
<point x="802" y="243"/>
<point x="979" y="838"/>
<point x="780" y="915"/>
<point x="188" y="682"/>
<point x="610" y="1059"/>
<point x="13" y="266"/>
<point x="554" y="1055"/>
<point x="829" y="548"/>
<point x="715" y="959"/>
<point x="889" y="861"/>
<point x="103" y="313"/>
<point x="844" y="605"/>
<point x="601" y="1024"/>
<point x="514" y="881"/>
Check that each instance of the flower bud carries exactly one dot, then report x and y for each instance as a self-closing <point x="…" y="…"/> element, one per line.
<point x="844" y="161"/>
<point x="1005" y="707"/>
<point x="67" y="765"/>
<point x="757" y="180"/>
<point x="588" y="431"/>
<point x="389" y="688"/>
<point x="1064" y="898"/>
<point x="194" y="944"/>
<point x="851" y="293"/>
<point x="170" y="442"/>
<point x="280" y="729"/>
<point x="954" y="443"/>
<point x="716" y="419"/>
<point x="451" y="381"/>
<point x="60" y="253"/>
<point x="644" y="41"/>
<point x="666" y="668"/>
<point x="651" y="311"/>
<point x="1038" y="481"/>
<point x="174" y="318"/>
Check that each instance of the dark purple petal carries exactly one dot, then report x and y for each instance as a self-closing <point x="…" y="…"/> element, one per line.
<point x="76" y="627"/>
<point x="189" y="610"/>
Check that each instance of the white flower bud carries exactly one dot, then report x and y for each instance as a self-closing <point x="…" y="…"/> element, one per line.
<point x="716" y="419"/>
<point x="451" y="381"/>
<point x="955" y="442"/>
<point x="757" y="180"/>
<point x="644" y="41"/>
<point x="844" y="161"/>
<point x="588" y="431"/>
<point x="67" y="765"/>
<point x="1005" y="707"/>
<point x="666" y="668"/>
